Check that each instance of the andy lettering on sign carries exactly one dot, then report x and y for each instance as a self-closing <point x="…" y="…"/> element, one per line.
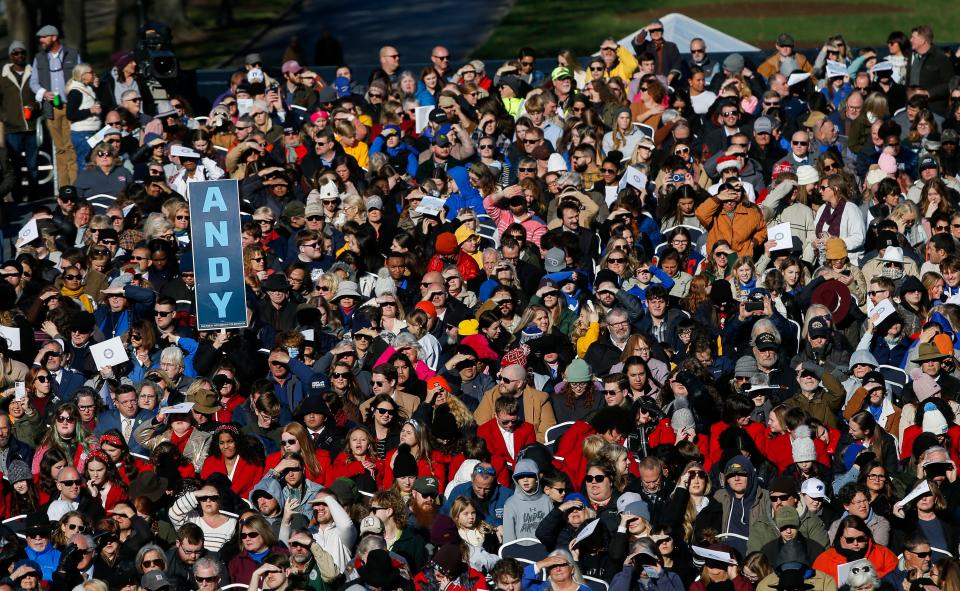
<point x="217" y="254"/>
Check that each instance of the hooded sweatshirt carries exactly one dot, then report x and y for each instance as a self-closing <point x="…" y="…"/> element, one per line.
<point x="738" y="518"/>
<point x="524" y="512"/>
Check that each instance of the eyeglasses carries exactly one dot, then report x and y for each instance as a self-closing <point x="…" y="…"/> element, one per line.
<point x="249" y="535"/>
<point x="876" y="476"/>
<point x="594" y="69"/>
<point x="63" y="419"/>
<point x="151" y="563"/>
<point x="385" y="411"/>
<point x="208" y="498"/>
<point x="73" y="526"/>
<point x="527" y="168"/>
<point x="598" y="478"/>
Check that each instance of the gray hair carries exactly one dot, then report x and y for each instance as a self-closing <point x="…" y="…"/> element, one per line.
<point x="172" y="354"/>
<point x="207" y="562"/>
<point x="765" y="325"/>
<point x="79" y="70"/>
<point x="369" y="543"/>
<point x="144" y="550"/>
<point x="569" y="179"/>
<point x="155" y="225"/>
<point x="565" y="554"/>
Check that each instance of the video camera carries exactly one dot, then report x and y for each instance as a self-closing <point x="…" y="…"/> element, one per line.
<point x="154" y="54"/>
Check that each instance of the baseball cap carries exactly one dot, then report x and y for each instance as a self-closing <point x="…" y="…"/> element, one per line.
<point x="766" y="342"/>
<point x="814" y="488"/>
<point x="154" y="580"/>
<point x="428" y="486"/>
<point x="561" y="73"/>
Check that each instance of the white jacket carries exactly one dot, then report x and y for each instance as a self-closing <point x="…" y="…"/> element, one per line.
<point x="852" y="230"/>
<point x="207" y="170"/>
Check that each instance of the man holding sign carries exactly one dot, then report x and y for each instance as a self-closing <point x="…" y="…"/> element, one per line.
<point x="217" y="254"/>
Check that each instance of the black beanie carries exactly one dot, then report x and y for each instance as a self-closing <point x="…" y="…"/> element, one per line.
<point x="403" y="463"/>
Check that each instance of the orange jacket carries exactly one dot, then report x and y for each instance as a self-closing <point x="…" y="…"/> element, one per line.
<point x="745" y="231"/>
<point x="883" y="559"/>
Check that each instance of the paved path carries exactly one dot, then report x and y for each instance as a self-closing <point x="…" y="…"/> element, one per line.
<point x="363" y="26"/>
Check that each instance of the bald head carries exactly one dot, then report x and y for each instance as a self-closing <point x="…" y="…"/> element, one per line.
<point x="431" y="284"/>
<point x="513" y="379"/>
<point x="389" y="59"/>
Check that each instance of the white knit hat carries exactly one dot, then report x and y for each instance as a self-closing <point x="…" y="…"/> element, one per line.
<point x="804" y="450"/>
<point x="682" y="419"/>
<point x="933" y="420"/>
<point x="807" y="175"/>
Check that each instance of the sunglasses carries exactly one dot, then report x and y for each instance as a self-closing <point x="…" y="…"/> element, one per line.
<point x="855" y="539"/>
<point x="341" y="375"/>
<point x="71" y="483"/>
<point x="249" y="535"/>
<point x="590" y="479"/>
<point x="74" y="527"/>
<point x="296" y="545"/>
<point x="42" y="379"/>
<point x="155" y="562"/>
<point x="205" y="498"/>
<point x="926" y="554"/>
<point x="779" y="498"/>
<point x="796" y="143"/>
<point x="71" y="277"/>
<point x="66" y="420"/>
<point x="385" y="411"/>
<point x="215" y="579"/>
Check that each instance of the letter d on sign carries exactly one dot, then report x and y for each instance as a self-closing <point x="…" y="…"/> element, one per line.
<point x="219" y="269"/>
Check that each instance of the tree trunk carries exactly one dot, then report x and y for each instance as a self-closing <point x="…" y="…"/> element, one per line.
<point x="75" y="25"/>
<point x="126" y="25"/>
<point x="21" y="21"/>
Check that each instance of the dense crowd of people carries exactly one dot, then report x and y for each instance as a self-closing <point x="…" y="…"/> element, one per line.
<point x="664" y="322"/>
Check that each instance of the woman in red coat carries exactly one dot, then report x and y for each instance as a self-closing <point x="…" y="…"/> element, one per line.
<point x="233" y="455"/>
<point x="428" y="463"/>
<point x="358" y="457"/>
<point x="294" y="438"/>
<point x="128" y="466"/>
<point x="103" y="480"/>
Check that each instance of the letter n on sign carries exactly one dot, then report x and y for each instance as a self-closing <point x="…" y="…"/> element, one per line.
<point x="217" y="254"/>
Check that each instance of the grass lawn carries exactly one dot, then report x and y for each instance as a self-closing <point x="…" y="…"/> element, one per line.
<point x="208" y="45"/>
<point x="551" y="25"/>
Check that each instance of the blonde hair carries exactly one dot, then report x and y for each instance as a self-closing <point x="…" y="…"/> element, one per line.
<point x="79" y="70"/>
<point x="591" y="447"/>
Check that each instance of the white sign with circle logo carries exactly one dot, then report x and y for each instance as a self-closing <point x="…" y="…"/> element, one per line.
<point x="11" y="334"/>
<point x="108" y="353"/>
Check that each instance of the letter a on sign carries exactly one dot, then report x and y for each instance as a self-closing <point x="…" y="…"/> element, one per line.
<point x="221" y="296"/>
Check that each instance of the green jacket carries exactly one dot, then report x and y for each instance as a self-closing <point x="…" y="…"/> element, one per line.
<point x="412" y="548"/>
<point x="29" y="428"/>
<point x="764" y="530"/>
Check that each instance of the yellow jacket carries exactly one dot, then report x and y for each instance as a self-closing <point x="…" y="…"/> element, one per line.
<point x="627" y="64"/>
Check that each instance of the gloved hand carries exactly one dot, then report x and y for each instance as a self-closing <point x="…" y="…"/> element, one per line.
<point x="814" y="368"/>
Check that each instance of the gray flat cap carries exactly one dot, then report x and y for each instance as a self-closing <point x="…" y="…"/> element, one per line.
<point x="15" y="45"/>
<point x="46" y="30"/>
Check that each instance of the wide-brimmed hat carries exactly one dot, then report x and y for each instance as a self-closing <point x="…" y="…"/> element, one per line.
<point x="378" y="570"/>
<point x="347" y="289"/>
<point x="148" y="484"/>
<point x="792" y="580"/>
<point x="206" y="402"/>
<point x="930" y="352"/>
<point x="835" y="296"/>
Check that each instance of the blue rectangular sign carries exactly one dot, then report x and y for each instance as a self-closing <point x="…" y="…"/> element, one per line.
<point x="217" y="254"/>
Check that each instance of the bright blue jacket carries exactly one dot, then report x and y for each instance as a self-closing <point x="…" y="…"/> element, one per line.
<point x="491" y="508"/>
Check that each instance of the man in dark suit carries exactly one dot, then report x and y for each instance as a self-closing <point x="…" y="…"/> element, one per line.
<point x="125" y="418"/>
<point x="66" y="381"/>
<point x="929" y="68"/>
